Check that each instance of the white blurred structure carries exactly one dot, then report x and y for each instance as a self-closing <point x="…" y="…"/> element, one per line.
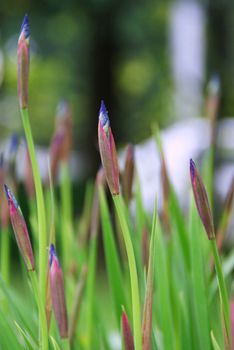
<point x="187" y="46"/>
<point x="184" y="140"/>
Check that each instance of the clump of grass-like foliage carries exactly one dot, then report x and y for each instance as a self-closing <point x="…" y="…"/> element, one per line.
<point x="165" y="283"/>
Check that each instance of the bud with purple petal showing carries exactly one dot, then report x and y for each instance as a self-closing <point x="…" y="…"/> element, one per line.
<point x="201" y="200"/>
<point x="20" y="230"/>
<point x="127" y="332"/>
<point x="23" y="63"/>
<point x="108" y="151"/>
<point x="57" y="293"/>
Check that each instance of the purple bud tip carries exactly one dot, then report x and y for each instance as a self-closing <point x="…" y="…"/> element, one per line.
<point x="103" y="115"/>
<point x="25" y="27"/>
<point x="52" y="253"/>
<point x="8" y="192"/>
<point x="10" y="197"/>
<point x="192" y="168"/>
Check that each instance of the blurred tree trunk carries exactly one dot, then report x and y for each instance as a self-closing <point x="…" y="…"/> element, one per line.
<point x="221" y="50"/>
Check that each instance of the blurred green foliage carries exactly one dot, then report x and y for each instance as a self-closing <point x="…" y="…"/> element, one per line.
<point x="85" y="52"/>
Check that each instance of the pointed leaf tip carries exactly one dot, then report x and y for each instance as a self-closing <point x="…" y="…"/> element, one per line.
<point x="25" y="27"/>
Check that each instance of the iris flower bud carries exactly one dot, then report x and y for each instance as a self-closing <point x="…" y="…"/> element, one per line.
<point x="57" y="293"/>
<point x="20" y="230"/>
<point x="108" y="151"/>
<point x="23" y="63"/>
<point x="201" y="201"/>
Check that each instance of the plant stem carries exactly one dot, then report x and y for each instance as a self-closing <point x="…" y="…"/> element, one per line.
<point x="41" y="310"/>
<point x="40" y="205"/>
<point x="136" y="311"/>
<point x="222" y="289"/>
<point x="65" y="344"/>
<point x="91" y="288"/>
<point x="5" y="258"/>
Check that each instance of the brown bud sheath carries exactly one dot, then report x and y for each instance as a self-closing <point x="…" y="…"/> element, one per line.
<point x="108" y="151"/>
<point x="127" y="332"/>
<point x="23" y="63"/>
<point x="20" y="230"/>
<point x="57" y="293"/>
<point x="201" y="201"/>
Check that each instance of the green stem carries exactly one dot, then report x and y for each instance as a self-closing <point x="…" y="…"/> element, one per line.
<point x="136" y="311"/>
<point x="91" y="288"/>
<point x="222" y="289"/>
<point x="41" y="311"/>
<point x="5" y="258"/>
<point x="40" y="205"/>
<point x="65" y="344"/>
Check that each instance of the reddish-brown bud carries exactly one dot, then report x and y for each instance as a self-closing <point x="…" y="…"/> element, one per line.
<point x="108" y="151"/>
<point x="201" y="201"/>
<point x="23" y="63"/>
<point x="57" y="293"/>
<point x="20" y="230"/>
<point x="127" y="332"/>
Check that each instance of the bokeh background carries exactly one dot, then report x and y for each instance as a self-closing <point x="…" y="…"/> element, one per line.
<point x="149" y="60"/>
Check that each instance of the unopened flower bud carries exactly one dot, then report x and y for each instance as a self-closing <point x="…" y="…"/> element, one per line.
<point x="108" y="151"/>
<point x="201" y="201"/>
<point x="57" y="293"/>
<point x="20" y="230"/>
<point x="23" y="63"/>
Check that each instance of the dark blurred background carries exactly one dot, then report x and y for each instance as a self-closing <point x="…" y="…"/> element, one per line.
<point x="149" y="60"/>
